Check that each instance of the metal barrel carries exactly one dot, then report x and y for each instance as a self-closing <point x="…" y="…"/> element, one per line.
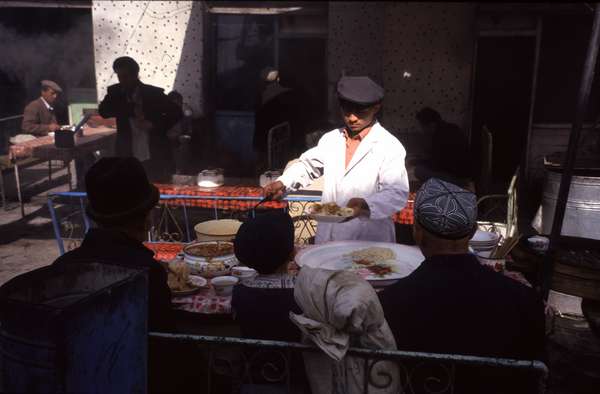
<point x="582" y="215"/>
<point x="78" y="327"/>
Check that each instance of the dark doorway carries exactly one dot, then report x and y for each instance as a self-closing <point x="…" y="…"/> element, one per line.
<point x="502" y="96"/>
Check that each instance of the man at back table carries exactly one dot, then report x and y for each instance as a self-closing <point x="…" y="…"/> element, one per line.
<point x="144" y="115"/>
<point x="38" y="117"/>
<point x="453" y="304"/>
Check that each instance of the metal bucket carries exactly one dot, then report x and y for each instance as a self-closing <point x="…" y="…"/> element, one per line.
<point x="74" y="328"/>
<point x="582" y="215"/>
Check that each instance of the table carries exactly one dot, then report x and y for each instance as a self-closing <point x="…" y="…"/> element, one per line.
<point x="207" y="302"/>
<point x="43" y="148"/>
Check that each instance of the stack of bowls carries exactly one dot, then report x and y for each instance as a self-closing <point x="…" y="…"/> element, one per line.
<point x="484" y="241"/>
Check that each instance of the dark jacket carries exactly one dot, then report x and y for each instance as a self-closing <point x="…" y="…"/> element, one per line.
<point x="37" y="117"/>
<point x="158" y="109"/>
<point x="265" y="313"/>
<point x="450" y="151"/>
<point x="453" y="304"/>
<point x="113" y="247"/>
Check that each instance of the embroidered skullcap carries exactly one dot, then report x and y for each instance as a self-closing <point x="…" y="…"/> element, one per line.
<point x="445" y="209"/>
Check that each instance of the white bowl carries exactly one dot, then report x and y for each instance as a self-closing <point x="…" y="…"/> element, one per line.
<point x="223" y="285"/>
<point x="244" y="273"/>
<point x="539" y="243"/>
<point x="497" y="264"/>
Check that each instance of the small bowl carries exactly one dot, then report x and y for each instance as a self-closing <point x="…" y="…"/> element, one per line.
<point x="245" y="274"/>
<point x="223" y="285"/>
<point x="538" y="243"/>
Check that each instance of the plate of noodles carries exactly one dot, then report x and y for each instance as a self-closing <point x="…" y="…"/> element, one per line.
<point x="181" y="282"/>
<point x="330" y="213"/>
<point x="380" y="263"/>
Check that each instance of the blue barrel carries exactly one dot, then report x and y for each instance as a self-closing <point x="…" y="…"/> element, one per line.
<point x="74" y="328"/>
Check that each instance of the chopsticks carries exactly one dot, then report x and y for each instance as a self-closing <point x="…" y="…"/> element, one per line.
<point x="508" y="245"/>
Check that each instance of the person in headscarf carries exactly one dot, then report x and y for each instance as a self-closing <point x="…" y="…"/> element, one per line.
<point x="262" y="305"/>
<point x="453" y="304"/>
<point x="341" y="310"/>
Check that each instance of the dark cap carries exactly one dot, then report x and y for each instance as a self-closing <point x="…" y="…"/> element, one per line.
<point x="46" y="83"/>
<point x="265" y="242"/>
<point x="118" y="190"/>
<point x="359" y="90"/>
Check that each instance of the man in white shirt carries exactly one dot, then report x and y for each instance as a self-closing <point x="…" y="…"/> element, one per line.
<point x="362" y="164"/>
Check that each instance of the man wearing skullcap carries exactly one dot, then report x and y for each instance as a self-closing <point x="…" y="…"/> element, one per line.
<point x="453" y="304"/>
<point x="262" y="305"/>
<point x="144" y="116"/>
<point x="39" y="118"/>
<point x="362" y="164"/>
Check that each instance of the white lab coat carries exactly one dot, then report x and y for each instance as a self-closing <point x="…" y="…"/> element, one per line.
<point x="376" y="173"/>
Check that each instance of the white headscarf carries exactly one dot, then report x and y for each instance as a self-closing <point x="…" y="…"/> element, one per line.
<point x="340" y="309"/>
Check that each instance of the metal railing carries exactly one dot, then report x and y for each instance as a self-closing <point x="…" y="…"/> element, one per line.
<point x="294" y="204"/>
<point x="246" y="361"/>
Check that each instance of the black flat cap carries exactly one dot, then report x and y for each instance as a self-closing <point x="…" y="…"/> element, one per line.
<point x="359" y="90"/>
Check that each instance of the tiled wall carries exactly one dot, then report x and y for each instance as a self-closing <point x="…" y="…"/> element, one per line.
<point x="433" y="42"/>
<point x="165" y="37"/>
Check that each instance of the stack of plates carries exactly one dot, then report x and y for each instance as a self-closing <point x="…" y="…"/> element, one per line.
<point x="484" y="241"/>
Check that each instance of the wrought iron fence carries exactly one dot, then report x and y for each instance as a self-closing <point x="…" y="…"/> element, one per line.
<point x="249" y="363"/>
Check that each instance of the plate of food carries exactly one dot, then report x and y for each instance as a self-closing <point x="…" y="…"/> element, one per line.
<point x="180" y="281"/>
<point x="378" y="262"/>
<point x="330" y="213"/>
<point x="210" y="258"/>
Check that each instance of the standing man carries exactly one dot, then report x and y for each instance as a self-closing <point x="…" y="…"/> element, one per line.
<point x="38" y="117"/>
<point x="362" y="164"/>
<point x="450" y="158"/>
<point x="144" y="115"/>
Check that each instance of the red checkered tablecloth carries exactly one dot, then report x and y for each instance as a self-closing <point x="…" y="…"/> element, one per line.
<point x="403" y="217"/>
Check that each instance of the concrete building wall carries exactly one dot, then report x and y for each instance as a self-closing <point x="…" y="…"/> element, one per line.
<point x="165" y="37"/>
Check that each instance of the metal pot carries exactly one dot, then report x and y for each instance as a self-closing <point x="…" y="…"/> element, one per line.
<point x="582" y="215"/>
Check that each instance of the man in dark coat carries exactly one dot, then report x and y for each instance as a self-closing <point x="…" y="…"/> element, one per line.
<point x="144" y="115"/>
<point x="120" y="200"/>
<point x="452" y="303"/>
<point x="450" y="158"/>
<point x="38" y="116"/>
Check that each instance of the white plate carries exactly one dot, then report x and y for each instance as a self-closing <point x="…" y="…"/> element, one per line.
<point x="331" y="218"/>
<point x="333" y="256"/>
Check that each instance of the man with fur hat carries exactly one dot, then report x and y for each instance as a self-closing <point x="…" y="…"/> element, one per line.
<point x="120" y="200"/>
<point x="362" y="164"/>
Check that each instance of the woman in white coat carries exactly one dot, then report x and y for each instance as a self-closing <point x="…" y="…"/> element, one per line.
<point x="362" y="164"/>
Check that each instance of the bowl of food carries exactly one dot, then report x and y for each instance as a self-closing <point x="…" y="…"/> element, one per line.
<point x="223" y="285"/>
<point x="497" y="264"/>
<point x="217" y="230"/>
<point x="210" y="258"/>
<point x="330" y="213"/>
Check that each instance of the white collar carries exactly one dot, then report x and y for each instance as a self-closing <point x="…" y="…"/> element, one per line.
<point x="47" y="105"/>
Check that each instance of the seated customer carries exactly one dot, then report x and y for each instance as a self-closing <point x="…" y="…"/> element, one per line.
<point x="120" y="200"/>
<point x="451" y="303"/>
<point x="262" y="306"/>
